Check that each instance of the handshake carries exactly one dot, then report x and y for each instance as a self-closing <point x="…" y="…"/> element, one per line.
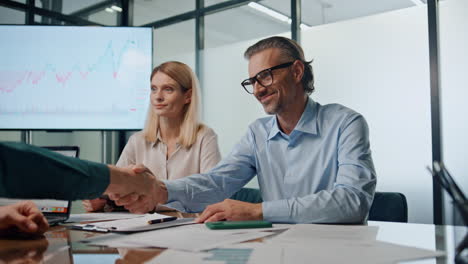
<point x="134" y="187"/>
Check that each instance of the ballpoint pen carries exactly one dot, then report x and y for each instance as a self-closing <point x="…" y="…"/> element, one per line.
<point x="162" y="220"/>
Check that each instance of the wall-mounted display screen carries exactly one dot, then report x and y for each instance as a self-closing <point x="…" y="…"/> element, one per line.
<point x="74" y="78"/>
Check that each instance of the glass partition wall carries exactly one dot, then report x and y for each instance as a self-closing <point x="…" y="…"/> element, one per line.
<point x="372" y="56"/>
<point x="453" y="40"/>
<point x="378" y="65"/>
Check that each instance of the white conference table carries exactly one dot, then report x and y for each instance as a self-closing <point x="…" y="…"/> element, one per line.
<point x="426" y="236"/>
<point x="61" y="245"/>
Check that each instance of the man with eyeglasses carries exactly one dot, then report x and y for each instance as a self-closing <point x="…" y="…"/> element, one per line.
<point x="313" y="162"/>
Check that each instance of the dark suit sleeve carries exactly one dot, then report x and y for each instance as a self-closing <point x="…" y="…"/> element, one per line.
<point x="30" y="172"/>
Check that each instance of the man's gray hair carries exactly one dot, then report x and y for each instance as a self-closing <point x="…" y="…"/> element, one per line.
<point x="291" y="50"/>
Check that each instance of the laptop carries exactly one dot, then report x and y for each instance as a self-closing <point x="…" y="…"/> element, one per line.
<point x="56" y="211"/>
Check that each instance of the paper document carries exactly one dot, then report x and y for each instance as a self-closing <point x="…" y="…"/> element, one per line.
<point x="238" y="254"/>
<point x="172" y="256"/>
<point x="90" y="217"/>
<point x="363" y="252"/>
<point x="356" y="244"/>
<point x="324" y="253"/>
<point x="189" y="238"/>
<point x="306" y="232"/>
<point x="134" y="224"/>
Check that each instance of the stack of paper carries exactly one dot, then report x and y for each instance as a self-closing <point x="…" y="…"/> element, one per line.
<point x="306" y="244"/>
<point x="239" y="254"/>
<point x="304" y="233"/>
<point x="189" y="238"/>
<point x="299" y="244"/>
<point x="342" y="244"/>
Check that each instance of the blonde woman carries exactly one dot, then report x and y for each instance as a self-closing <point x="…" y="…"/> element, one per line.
<point x="173" y="143"/>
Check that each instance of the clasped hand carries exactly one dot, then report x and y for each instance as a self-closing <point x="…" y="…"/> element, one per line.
<point x="139" y="191"/>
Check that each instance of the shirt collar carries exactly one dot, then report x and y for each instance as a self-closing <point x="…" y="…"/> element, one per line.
<point x="159" y="139"/>
<point x="307" y="123"/>
<point x="274" y="128"/>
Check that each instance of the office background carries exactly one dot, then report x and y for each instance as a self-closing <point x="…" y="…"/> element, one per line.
<point x="372" y="56"/>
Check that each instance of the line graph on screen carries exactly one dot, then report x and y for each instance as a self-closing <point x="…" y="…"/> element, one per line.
<point x="85" y="78"/>
<point x="10" y="80"/>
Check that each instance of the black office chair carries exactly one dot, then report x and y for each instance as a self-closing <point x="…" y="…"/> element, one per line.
<point x="249" y="195"/>
<point x="389" y="207"/>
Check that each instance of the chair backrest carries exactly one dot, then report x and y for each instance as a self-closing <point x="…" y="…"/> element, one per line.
<point x="389" y="207"/>
<point x="249" y="195"/>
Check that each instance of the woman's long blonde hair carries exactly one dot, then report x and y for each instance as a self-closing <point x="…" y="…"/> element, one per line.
<point x="187" y="80"/>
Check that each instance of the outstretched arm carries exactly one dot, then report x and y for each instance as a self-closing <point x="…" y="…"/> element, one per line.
<point x="195" y="192"/>
<point x="55" y="176"/>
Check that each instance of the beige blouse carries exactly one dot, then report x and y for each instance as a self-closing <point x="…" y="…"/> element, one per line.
<point x="200" y="157"/>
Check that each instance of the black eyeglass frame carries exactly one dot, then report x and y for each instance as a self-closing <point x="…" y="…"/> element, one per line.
<point x="269" y="70"/>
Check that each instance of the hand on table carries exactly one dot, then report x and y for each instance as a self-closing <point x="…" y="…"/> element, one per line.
<point x="23" y="217"/>
<point x="231" y="210"/>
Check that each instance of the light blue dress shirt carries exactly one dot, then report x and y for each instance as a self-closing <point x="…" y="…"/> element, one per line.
<point x="321" y="173"/>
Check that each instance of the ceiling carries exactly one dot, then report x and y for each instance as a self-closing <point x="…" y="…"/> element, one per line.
<point x="237" y="24"/>
<point x="243" y="23"/>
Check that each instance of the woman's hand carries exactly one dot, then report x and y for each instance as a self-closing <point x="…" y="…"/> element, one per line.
<point x="94" y="205"/>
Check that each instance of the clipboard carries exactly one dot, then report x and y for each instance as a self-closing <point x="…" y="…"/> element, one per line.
<point x="133" y="225"/>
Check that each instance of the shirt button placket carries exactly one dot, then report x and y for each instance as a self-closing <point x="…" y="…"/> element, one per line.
<point x="165" y="163"/>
